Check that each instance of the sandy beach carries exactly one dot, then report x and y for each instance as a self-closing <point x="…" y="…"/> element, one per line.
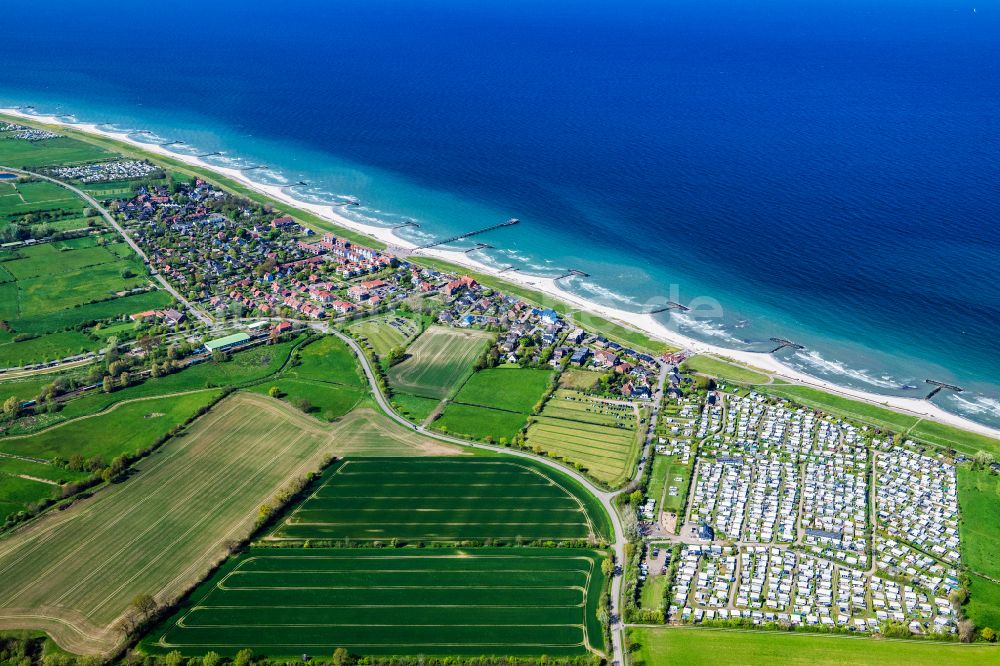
<point x="644" y="322"/>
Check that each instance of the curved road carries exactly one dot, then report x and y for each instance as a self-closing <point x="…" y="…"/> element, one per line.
<point x="117" y="227"/>
<point x="604" y="496"/>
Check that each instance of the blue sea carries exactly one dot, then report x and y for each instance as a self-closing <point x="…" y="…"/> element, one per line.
<point x="825" y="171"/>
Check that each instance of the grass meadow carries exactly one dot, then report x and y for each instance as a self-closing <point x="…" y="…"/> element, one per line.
<point x="479" y="423"/>
<point x="386" y="332"/>
<point x="715" y="647"/>
<point x="58" y="151"/>
<point x="979" y="502"/>
<point x="510" y="389"/>
<point x="414" y="407"/>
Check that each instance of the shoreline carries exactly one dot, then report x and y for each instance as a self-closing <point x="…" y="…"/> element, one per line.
<point x="548" y="286"/>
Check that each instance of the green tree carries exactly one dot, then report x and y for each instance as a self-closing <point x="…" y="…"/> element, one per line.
<point x="11" y="406"/>
<point x="274" y="392"/>
<point x="243" y="658"/>
<point x="144" y="603"/>
<point x="173" y="658"/>
<point x="340" y="657"/>
<point x="988" y="634"/>
<point x="211" y="659"/>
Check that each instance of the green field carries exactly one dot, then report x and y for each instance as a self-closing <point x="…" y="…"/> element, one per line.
<point x="42" y="259"/>
<point x="678" y="476"/>
<point x="324" y="382"/>
<point x="23" y="482"/>
<point x="59" y="151"/>
<point x="50" y="347"/>
<point x="979" y="501"/>
<point x="444" y="499"/>
<point x="48" y="289"/>
<point x="328" y="359"/>
<point x="983" y="607"/>
<point x="723" y="370"/>
<point x="74" y="572"/>
<point x="510" y="389"/>
<point x="128" y="428"/>
<point x="479" y="423"/>
<point x="839" y="406"/>
<point x="954" y="438"/>
<point x="282" y="603"/>
<point x="19" y="198"/>
<point x="322" y="400"/>
<point x="116" y="307"/>
<point x="414" y="407"/>
<point x="438" y="362"/>
<point x="693" y="647"/>
<point x="579" y="379"/>
<point x="386" y="332"/>
<point x="596" y="434"/>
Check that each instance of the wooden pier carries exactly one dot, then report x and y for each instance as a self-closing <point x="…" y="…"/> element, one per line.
<point x="452" y="239"/>
<point x="782" y="343"/>
<point x="400" y="226"/>
<point x="508" y="268"/>
<point x="938" y="386"/>
<point x="256" y="167"/>
<point x="172" y="143"/>
<point x="215" y="154"/>
<point x="479" y="246"/>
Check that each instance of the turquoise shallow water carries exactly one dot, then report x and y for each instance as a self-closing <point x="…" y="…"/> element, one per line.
<point x="826" y="173"/>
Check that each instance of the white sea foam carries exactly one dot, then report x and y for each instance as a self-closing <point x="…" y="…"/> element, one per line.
<point x="602" y="292"/>
<point x="703" y="327"/>
<point x="979" y="404"/>
<point x="816" y="360"/>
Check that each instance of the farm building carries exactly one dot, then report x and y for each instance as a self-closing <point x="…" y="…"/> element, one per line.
<point x="227" y="342"/>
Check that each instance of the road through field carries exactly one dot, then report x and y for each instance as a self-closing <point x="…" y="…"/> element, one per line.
<point x="204" y="318"/>
<point x="605" y="497"/>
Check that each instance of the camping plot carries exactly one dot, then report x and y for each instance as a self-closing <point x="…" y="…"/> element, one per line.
<point x="476" y="601"/>
<point x="447" y="499"/>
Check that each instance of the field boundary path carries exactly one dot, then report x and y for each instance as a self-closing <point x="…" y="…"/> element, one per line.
<point x="204" y="318"/>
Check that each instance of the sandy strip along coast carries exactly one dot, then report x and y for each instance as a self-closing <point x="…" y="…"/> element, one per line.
<point x="644" y="322"/>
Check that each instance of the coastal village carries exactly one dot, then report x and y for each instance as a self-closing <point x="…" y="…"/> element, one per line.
<point x="750" y="511"/>
<point x="784" y="523"/>
<point x="244" y="261"/>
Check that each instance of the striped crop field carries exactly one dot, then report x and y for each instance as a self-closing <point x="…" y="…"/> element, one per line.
<point x="439" y="362"/>
<point x="598" y="435"/>
<point x="499" y="601"/>
<point x="447" y="499"/>
<point x="74" y="573"/>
